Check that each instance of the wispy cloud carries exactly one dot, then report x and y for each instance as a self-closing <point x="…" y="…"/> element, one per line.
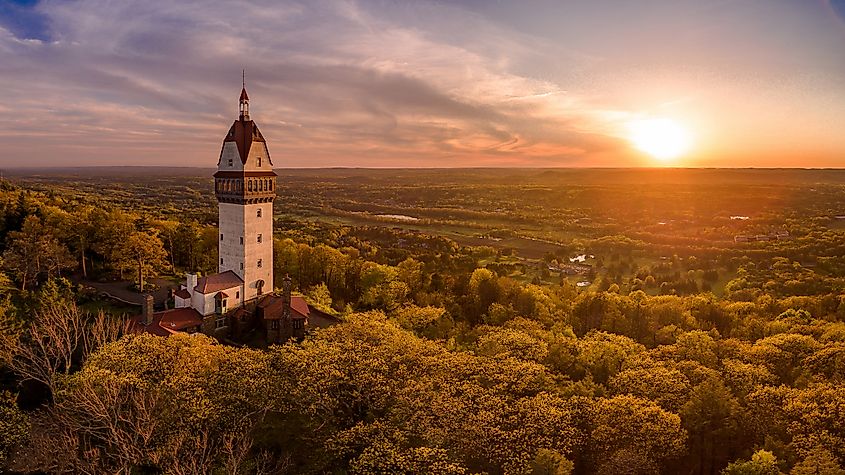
<point x="429" y="83"/>
<point x="332" y="83"/>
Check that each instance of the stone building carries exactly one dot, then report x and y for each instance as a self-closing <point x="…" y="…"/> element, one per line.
<point x="239" y="298"/>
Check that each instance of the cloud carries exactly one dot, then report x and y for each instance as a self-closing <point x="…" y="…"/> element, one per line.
<point x="332" y="83"/>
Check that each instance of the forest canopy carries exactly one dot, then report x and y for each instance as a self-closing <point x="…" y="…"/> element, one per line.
<point x="556" y="329"/>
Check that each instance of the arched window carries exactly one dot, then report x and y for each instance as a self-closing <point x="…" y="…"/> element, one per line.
<point x="250" y="184"/>
<point x="258" y="213"/>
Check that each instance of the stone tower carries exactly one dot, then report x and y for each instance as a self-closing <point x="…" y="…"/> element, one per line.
<point x="245" y="185"/>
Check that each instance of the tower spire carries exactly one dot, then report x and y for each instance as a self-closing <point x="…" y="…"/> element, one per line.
<point x="244" y="105"/>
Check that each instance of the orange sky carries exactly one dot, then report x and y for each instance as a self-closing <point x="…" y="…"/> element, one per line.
<point x="423" y="83"/>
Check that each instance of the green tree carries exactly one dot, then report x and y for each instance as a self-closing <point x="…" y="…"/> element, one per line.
<point x="146" y="254"/>
<point x="34" y="251"/>
<point x="632" y="433"/>
<point x="817" y="462"/>
<point x="14" y="428"/>
<point x="712" y="417"/>
<point x="762" y="463"/>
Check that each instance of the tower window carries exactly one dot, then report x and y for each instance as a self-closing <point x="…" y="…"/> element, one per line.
<point x="259" y="161"/>
<point x="258" y="213"/>
<point x="242" y="240"/>
<point x="230" y="163"/>
<point x="221" y="236"/>
<point x="242" y="266"/>
<point x="221" y="261"/>
<point x="238" y="292"/>
<point x="259" y="238"/>
<point x="259" y="263"/>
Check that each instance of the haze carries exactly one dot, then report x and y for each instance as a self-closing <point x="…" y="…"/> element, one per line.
<point x="423" y="84"/>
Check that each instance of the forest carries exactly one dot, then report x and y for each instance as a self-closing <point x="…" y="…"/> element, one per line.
<point x="491" y="322"/>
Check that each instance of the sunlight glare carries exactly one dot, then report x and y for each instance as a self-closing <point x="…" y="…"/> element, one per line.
<point x="663" y="139"/>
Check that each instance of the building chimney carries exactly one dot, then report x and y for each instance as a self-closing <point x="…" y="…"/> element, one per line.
<point x="191" y="282"/>
<point x="286" y="298"/>
<point x="147" y="309"/>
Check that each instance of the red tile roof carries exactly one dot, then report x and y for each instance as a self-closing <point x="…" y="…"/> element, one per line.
<point x="168" y="322"/>
<point x="272" y="305"/>
<point x="217" y="282"/>
<point x="299" y="305"/>
<point x="183" y="294"/>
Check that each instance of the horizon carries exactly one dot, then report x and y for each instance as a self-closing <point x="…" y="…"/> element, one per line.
<point x="21" y="171"/>
<point x="426" y="85"/>
<point x="352" y="167"/>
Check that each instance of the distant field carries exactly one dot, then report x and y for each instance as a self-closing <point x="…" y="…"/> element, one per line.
<point x="629" y="217"/>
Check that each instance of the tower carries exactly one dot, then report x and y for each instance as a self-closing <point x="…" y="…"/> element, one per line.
<point x="245" y="186"/>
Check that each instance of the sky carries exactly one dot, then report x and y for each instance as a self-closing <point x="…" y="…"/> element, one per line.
<point x="474" y="83"/>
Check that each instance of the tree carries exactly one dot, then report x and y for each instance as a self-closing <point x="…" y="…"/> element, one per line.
<point x="34" y="251"/>
<point x="410" y="272"/>
<point x="180" y="404"/>
<point x="147" y="255"/>
<point x="320" y="298"/>
<point x="665" y="386"/>
<point x="817" y="462"/>
<point x="112" y="229"/>
<point x="14" y="427"/>
<point x="483" y="291"/>
<point x="632" y="433"/>
<point x="604" y="354"/>
<point x="762" y="462"/>
<point x="79" y="229"/>
<point x="430" y="322"/>
<point x="549" y="462"/>
<point x="168" y="231"/>
<point x="58" y="334"/>
<point x="712" y="417"/>
<point x="186" y="245"/>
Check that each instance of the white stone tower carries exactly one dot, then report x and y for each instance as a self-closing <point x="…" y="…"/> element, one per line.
<point x="245" y="185"/>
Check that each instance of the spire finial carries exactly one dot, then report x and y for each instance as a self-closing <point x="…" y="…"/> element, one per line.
<point x="244" y="107"/>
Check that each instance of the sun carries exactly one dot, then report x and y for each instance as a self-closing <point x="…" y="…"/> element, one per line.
<point x="663" y="139"/>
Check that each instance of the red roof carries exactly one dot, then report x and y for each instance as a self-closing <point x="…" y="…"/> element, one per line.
<point x="183" y="294"/>
<point x="221" y="295"/>
<point x="300" y="306"/>
<point x="272" y="305"/>
<point x="168" y="322"/>
<point x="244" y="133"/>
<point x="217" y="282"/>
